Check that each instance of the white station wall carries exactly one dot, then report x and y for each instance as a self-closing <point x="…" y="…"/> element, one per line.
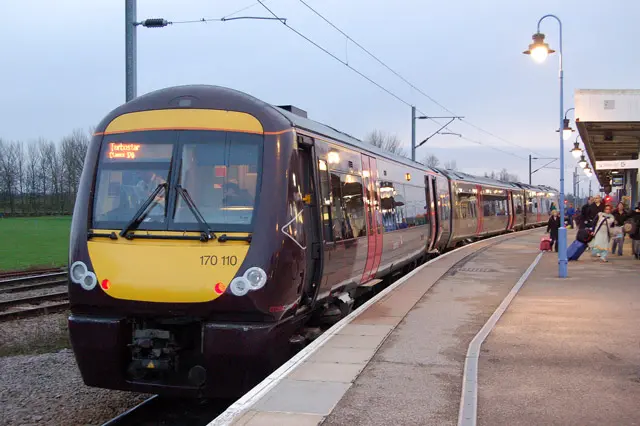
<point x="607" y="105"/>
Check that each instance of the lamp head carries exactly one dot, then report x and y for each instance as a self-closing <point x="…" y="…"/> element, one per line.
<point x="539" y="50"/>
<point x="576" y="151"/>
<point x="582" y="162"/>
<point x="566" y="130"/>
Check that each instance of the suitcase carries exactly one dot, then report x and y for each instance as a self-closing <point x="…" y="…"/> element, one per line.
<point x="575" y="250"/>
<point x="545" y="244"/>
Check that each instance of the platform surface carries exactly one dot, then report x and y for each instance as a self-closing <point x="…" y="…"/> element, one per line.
<point x="565" y="352"/>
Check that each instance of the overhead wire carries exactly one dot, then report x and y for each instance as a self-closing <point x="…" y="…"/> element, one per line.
<point x="335" y="57"/>
<point x="374" y="82"/>
<point x="230" y="16"/>
<point x="417" y="89"/>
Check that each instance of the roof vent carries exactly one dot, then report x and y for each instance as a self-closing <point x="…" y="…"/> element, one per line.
<point x="294" y="110"/>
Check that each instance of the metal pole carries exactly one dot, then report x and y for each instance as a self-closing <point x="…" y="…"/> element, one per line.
<point x="529" y="169"/>
<point x="413" y="133"/>
<point x="130" y="50"/>
<point x="562" y="232"/>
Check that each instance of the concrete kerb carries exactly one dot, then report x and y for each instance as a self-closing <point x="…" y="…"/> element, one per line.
<point x="242" y="405"/>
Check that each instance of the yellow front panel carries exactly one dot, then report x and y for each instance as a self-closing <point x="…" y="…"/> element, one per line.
<point x="185" y="119"/>
<point x="165" y="270"/>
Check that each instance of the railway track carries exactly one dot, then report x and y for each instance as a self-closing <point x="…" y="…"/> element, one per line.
<point x="161" y="411"/>
<point x="27" y="295"/>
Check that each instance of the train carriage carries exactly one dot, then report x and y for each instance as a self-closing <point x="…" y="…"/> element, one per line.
<point x="211" y="230"/>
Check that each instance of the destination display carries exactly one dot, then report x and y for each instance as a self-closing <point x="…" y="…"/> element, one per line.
<point x="134" y="151"/>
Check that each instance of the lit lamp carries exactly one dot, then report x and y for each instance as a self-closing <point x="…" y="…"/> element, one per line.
<point x="539" y="50"/>
<point x="582" y="162"/>
<point x="566" y="130"/>
<point x="576" y="151"/>
<point x="587" y="171"/>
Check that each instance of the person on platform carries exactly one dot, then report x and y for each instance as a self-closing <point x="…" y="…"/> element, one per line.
<point x="620" y="216"/>
<point x="602" y="238"/>
<point x="552" y="228"/>
<point x="634" y="234"/>
<point x="596" y="207"/>
<point x="571" y="212"/>
<point x="584" y="213"/>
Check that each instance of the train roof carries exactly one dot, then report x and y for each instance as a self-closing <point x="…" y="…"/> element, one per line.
<point x="337" y="135"/>
<point x="466" y="177"/>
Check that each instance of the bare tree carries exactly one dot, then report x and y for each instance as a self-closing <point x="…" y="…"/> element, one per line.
<point x="492" y="175"/>
<point x="431" y="161"/>
<point x="33" y="158"/>
<point x="390" y="143"/>
<point x="72" y="152"/>
<point x="451" y="165"/>
<point x="9" y="179"/>
<point x="505" y="176"/>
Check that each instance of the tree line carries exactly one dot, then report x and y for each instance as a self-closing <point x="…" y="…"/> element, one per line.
<point x="41" y="177"/>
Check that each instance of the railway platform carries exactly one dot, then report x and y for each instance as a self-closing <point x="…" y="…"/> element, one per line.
<point x="489" y="323"/>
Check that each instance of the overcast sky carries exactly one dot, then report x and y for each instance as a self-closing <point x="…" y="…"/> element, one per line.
<point x="63" y="66"/>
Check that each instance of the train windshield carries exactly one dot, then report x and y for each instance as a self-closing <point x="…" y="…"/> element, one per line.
<point x="219" y="170"/>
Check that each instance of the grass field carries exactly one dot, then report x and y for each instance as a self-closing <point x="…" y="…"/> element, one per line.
<point x="34" y="242"/>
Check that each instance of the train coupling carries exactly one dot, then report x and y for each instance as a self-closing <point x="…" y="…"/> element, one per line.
<point x="152" y="350"/>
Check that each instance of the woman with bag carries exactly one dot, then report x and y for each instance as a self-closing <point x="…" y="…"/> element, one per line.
<point x="602" y="235"/>
<point x="552" y="228"/>
<point x="620" y="216"/>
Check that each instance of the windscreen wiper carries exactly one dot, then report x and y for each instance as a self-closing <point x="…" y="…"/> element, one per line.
<point x="206" y="233"/>
<point x="135" y="220"/>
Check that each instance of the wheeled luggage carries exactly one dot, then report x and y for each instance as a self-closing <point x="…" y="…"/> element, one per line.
<point x="545" y="244"/>
<point x="575" y="250"/>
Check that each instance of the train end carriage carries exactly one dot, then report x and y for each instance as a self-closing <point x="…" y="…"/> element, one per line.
<point x="481" y="207"/>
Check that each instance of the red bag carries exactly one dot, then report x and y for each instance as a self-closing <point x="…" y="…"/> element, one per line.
<point x="545" y="244"/>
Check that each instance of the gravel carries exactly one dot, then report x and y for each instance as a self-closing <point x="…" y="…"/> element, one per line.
<point x="40" y="383"/>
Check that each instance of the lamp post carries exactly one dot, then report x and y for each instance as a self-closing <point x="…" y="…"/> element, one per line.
<point x="539" y="50"/>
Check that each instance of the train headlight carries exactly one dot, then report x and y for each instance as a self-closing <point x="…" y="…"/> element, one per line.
<point x="256" y="277"/>
<point x="89" y="282"/>
<point x="78" y="272"/>
<point x="239" y="286"/>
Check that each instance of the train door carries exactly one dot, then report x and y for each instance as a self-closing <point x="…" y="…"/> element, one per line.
<point x="510" y="211"/>
<point x="432" y="205"/>
<point x="372" y="218"/>
<point x="311" y="219"/>
<point x="480" y="211"/>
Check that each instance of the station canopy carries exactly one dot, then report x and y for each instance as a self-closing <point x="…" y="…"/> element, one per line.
<point x="608" y="122"/>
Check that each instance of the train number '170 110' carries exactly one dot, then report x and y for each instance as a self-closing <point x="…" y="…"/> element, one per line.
<point x="218" y="260"/>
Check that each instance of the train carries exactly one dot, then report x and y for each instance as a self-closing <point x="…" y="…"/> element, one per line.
<point x="212" y="231"/>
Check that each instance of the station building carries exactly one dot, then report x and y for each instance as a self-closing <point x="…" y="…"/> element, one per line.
<point x="608" y="122"/>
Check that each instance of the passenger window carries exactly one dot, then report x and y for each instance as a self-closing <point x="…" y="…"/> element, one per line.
<point x="393" y="206"/>
<point x="347" y="209"/>
<point x="416" y="213"/>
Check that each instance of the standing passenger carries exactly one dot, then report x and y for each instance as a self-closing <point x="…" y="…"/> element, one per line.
<point x="602" y="239"/>
<point x="620" y="216"/>
<point x="570" y="214"/>
<point x="584" y="213"/>
<point x="596" y="207"/>
<point x="552" y="229"/>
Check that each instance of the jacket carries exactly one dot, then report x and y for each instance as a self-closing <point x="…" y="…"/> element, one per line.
<point x="593" y="211"/>
<point x="620" y="217"/>
<point x="553" y="225"/>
